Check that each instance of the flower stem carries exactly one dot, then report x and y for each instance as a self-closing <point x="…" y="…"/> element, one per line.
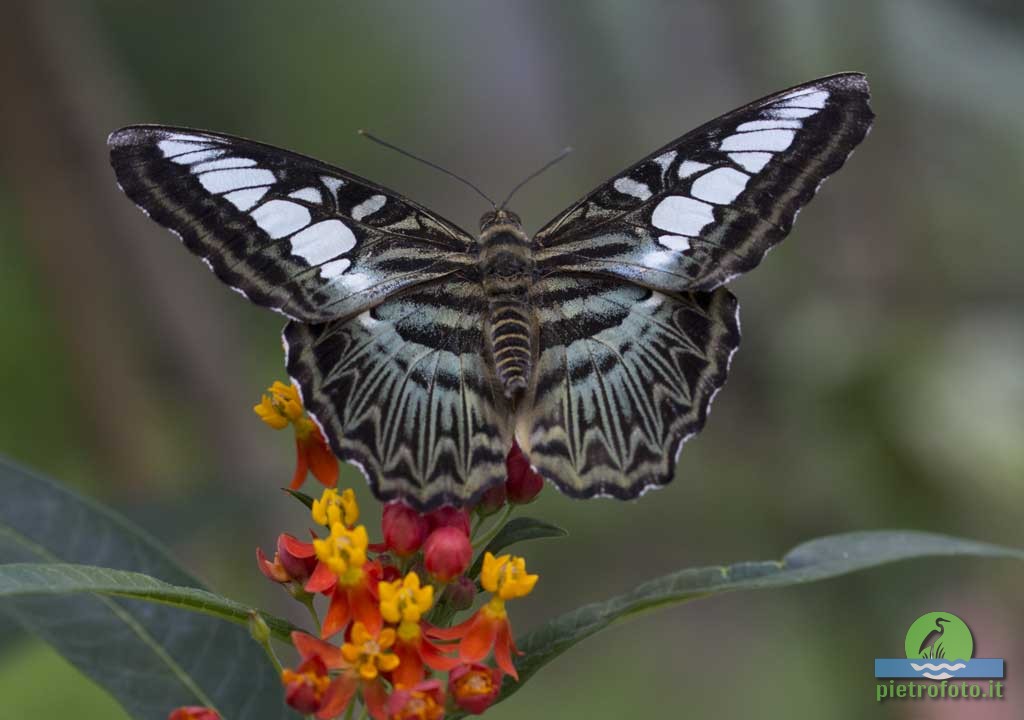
<point x="308" y="603"/>
<point x="493" y="531"/>
<point x="269" y="649"/>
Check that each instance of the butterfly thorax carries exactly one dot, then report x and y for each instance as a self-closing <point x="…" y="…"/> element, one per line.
<point x="506" y="270"/>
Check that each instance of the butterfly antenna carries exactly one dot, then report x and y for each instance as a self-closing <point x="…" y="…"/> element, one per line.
<point x="560" y="156"/>
<point x="374" y="138"/>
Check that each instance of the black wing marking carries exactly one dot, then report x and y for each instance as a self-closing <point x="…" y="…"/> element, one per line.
<point x="709" y="205"/>
<point x="291" y="233"/>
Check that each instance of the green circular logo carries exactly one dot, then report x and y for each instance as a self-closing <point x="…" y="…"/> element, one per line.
<point x="939" y="635"/>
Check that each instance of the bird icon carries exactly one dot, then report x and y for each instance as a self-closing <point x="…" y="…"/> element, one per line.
<point x="931" y="646"/>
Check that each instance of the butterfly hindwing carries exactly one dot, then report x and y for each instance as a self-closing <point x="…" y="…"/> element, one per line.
<point x="625" y="375"/>
<point x="405" y="391"/>
<point x="709" y="205"/>
<point x="290" y="232"/>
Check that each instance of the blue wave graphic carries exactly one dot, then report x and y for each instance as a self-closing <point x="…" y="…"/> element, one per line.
<point x="929" y="669"/>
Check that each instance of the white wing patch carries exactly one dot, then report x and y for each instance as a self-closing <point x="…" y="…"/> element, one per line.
<point x="682" y="215"/>
<point x="368" y="207"/>
<point x="806" y="99"/>
<point x="246" y="200"/>
<point x="720" y="186"/>
<point x="751" y="161"/>
<point x="334" y="268"/>
<point x="629" y="186"/>
<point x="222" y="181"/>
<point x="278" y="218"/>
<point x="675" y="242"/>
<point x="689" y="167"/>
<point x="773" y="140"/>
<point x="309" y="194"/>
<point x="323" y="241"/>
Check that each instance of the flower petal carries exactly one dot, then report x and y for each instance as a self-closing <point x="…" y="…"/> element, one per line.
<point x="376" y="700"/>
<point x="338" y="614"/>
<point x="337" y="697"/>
<point x="301" y="466"/>
<point x="309" y="646"/>
<point x="321" y="580"/>
<point x="502" y="651"/>
<point x="478" y="641"/>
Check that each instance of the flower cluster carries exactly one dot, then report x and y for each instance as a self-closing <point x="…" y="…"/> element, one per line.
<point x="386" y="639"/>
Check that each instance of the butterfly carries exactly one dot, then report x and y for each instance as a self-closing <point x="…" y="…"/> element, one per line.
<point x="423" y="351"/>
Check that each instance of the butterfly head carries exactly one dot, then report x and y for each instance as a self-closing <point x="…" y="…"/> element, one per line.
<point x="498" y="217"/>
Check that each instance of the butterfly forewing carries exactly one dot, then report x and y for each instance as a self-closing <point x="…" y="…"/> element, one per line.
<point x="709" y="205"/>
<point x="291" y="233"/>
<point x="406" y="391"/>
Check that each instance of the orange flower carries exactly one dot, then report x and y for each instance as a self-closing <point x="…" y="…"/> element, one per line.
<point x="488" y="629"/>
<point x="193" y="712"/>
<point x="361" y="661"/>
<point x="423" y="701"/>
<point x="310" y="689"/>
<point x="281" y="407"/>
<point x="343" y="570"/>
<point x="474" y="688"/>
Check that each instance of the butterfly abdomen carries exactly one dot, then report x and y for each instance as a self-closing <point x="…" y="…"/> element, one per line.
<point x="506" y="269"/>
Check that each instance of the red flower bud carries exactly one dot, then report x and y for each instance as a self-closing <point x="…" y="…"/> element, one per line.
<point x="449" y="516"/>
<point x="389" y="573"/>
<point x="474" y="687"/>
<point x="193" y="712"/>
<point x="460" y="594"/>
<point x="523" y="483"/>
<point x="294" y="560"/>
<point x="447" y="553"/>
<point x="404" y="528"/>
<point x="492" y="501"/>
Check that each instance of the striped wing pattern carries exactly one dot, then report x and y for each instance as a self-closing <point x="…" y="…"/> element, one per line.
<point x="708" y="206"/>
<point x="626" y="375"/>
<point x="405" y="391"/>
<point x="631" y="332"/>
<point x="289" y="232"/>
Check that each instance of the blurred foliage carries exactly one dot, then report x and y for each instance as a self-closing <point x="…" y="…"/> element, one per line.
<point x="879" y="383"/>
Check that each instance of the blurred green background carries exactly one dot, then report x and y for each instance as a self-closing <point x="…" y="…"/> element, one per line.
<point x="879" y="385"/>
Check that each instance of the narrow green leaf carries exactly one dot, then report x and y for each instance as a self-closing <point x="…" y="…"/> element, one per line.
<point x="819" y="559"/>
<point x="517" y="530"/>
<point x="62" y="578"/>
<point x="300" y="496"/>
<point x="149" y="657"/>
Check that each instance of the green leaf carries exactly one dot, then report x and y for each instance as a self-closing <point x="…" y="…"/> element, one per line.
<point x="150" y="657"/>
<point x="301" y="497"/>
<point x="517" y="530"/>
<point x="819" y="559"/>
<point x="18" y="579"/>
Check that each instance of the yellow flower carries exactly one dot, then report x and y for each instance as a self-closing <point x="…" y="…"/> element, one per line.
<point x="333" y="507"/>
<point x="283" y="406"/>
<point x="506" y="576"/>
<point x="368" y="654"/>
<point x="405" y="601"/>
<point x="344" y="552"/>
<point x="280" y="407"/>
